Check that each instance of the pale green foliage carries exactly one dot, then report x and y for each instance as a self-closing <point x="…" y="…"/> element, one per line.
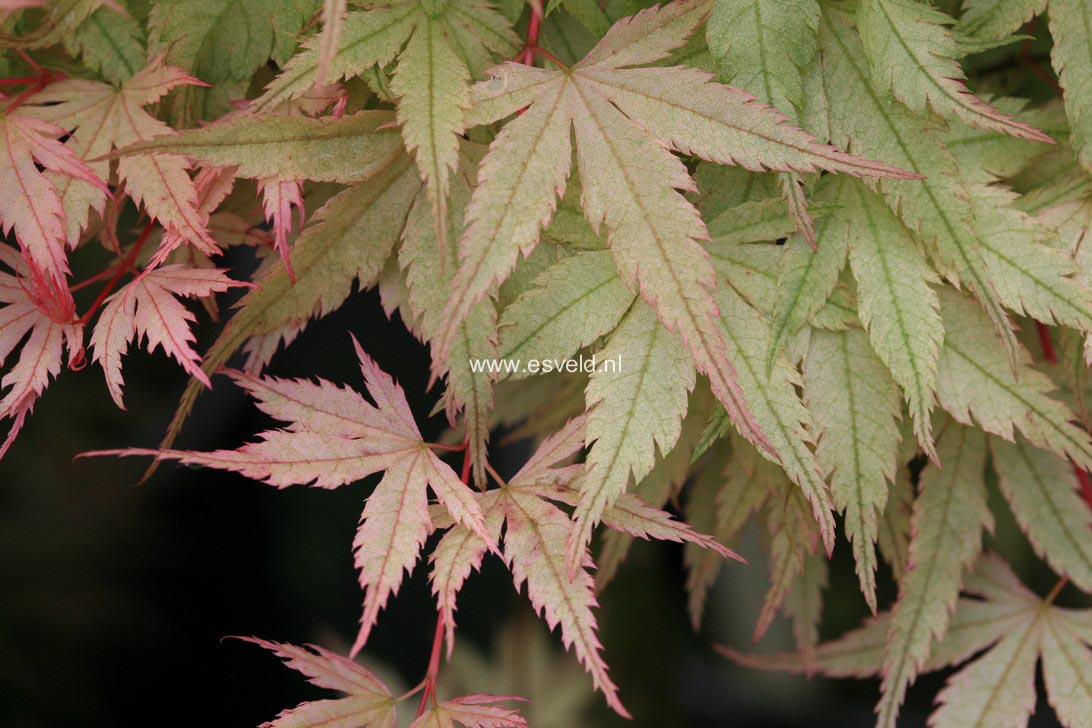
<point x="1044" y="495"/>
<point x="427" y="278"/>
<point x="855" y="404"/>
<point x="445" y="45"/>
<point x="829" y="256"/>
<point x="912" y="55"/>
<point x="775" y="404"/>
<point x="524" y="661"/>
<point x="936" y="208"/>
<point x="632" y="412"/>
<point x="949" y="515"/>
<point x="342" y="150"/>
<point x="1009" y="625"/>
<point x="111" y="43"/>
<point x="977" y="385"/>
<point x="806" y="278"/>
<point x="896" y="301"/>
<point x="1071" y="27"/>
<point x="992" y="20"/>
<point x="568" y="306"/>
<point x="765" y="47"/>
<point x="203" y="36"/>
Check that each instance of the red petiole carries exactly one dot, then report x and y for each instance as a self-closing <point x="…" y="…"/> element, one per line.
<point x="429" y="684"/>
<point x="125" y="264"/>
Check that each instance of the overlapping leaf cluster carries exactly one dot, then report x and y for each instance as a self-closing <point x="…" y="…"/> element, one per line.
<point x="844" y="282"/>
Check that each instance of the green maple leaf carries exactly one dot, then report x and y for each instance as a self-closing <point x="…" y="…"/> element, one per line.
<point x="998" y="632"/>
<point x="621" y="119"/>
<point x="440" y="46"/>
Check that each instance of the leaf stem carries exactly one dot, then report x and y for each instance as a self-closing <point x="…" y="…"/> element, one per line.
<point x="122" y="267"/>
<point x="1055" y="591"/>
<point x="548" y="56"/>
<point x="429" y="684"/>
<point x="23" y="96"/>
<point x="465" y="474"/>
<point x="496" y="476"/>
<point x="534" y="26"/>
<point x="1045" y="341"/>
<point x="412" y="691"/>
<point x="429" y="695"/>
<point x="101" y="275"/>
<point x="1027" y="59"/>
<point x="447" y="448"/>
<point x="36" y="83"/>
<point x="531" y="48"/>
<point x="1086" y="484"/>
<point x="30" y="61"/>
<point x="21" y="81"/>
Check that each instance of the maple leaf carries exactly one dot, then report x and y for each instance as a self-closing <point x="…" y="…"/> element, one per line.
<point x="604" y="167"/>
<point x="471" y="711"/>
<point x="1008" y="627"/>
<point x="279" y="196"/>
<point x="42" y="354"/>
<point x="440" y="47"/>
<point x="855" y="405"/>
<point x="724" y="496"/>
<point x="148" y="308"/>
<point x="348" y="241"/>
<point x="776" y="405"/>
<point x="993" y="20"/>
<point x="422" y="257"/>
<point x="565" y="308"/>
<point x="535" y="550"/>
<point x="537" y="547"/>
<point x="102" y="118"/>
<point x="335" y="437"/>
<point x="663" y="483"/>
<point x="111" y="42"/>
<point x="213" y="185"/>
<point x="1044" y="493"/>
<point x="522" y="660"/>
<point x="368" y="702"/>
<point x="896" y="302"/>
<point x="222" y="44"/>
<point x="912" y="54"/>
<point x="1070" y="24"/>
<point x="337" y="149"/>
<point x="936" y="209"/>
<point x="633" y="411"/>
<point x="806" y="277"/>
<point x="765" y="46"/>
<point x="794" y="560"/>
<point x="629" y="178"/>
<point x="946" y="527"/>
<point x="976" y="385"/>
<point x="33" y="208"/>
